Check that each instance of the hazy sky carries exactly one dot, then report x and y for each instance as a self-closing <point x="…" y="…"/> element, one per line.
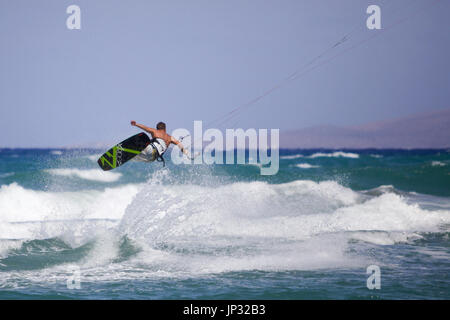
<point x="180" y="61"/>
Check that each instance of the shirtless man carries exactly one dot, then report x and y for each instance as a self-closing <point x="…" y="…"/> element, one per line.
<point x="159" y="144"/>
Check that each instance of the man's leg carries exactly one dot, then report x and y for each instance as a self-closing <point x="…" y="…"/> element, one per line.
<point x="147" y="155"/>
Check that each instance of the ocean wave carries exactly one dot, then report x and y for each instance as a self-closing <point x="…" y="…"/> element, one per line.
<point x="306" y="166"/>
<point x="93" y="157"/>
<point x="378" y="191"/>
<point x="91" y="174"/>
<point x="56" y="152"/>
<point x="295" y="156"/>
<point x="438" y="164"/>
<point x="6" y="175"/>
<point x="7" y="245"/>
<point x="293" y="210"/>
<point x="337" y="154"/>
<point x="386" y="238"/>
<point x="19" y="206"/>
<point x="435" y="253"/>
<point x="292" y="226"/>
<point x="182" y="230"/>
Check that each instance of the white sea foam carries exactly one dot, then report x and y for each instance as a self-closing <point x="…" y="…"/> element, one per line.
<point x="295" y="156"/>
<point x="306" y="166"/>
<point x="75" y="217"/>
<point x="90" y="174"/>
<point x="18" y="204"/>
<point x="6" y="175"/>
<point x="7" y="245"/>
<point x="93" y="157"/>
<point x="337" y="154"/>
<point x="385" y="238"/>
<point x="56" y="152"/>
<point x="183" y="230"/>
<point x="295" y="209"/>
<point x="438" y="164"/>
<point x="297" y="225"/>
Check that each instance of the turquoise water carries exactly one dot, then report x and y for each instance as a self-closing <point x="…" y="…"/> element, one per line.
<point x="224" y="231"/>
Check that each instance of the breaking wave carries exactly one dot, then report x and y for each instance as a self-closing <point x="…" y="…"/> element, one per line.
<point x="337" y="154"/>
<point x="90" y="174"/>
<point x="182" y="229"/>
<point x="306" y="166"/>
<point x="295" y="156"/>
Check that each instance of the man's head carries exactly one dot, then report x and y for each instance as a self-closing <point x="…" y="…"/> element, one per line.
<point x="161" y="126"/>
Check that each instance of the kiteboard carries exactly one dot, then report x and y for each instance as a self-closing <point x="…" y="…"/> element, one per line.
<point x="123" y="152"/>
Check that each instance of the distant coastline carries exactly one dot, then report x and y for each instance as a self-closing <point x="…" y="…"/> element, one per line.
<point x="421" y="131"/>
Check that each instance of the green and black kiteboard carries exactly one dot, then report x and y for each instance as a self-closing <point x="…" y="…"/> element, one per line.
<point x="123" y="152"/>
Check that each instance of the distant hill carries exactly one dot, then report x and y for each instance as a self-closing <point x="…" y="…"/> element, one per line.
<point x="426" y="130"/>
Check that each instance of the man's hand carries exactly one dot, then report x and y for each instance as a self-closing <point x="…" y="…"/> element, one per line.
<point x="141" y="126"/>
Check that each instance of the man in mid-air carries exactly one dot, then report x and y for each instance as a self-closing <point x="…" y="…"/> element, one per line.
<point x="159" y="144"/>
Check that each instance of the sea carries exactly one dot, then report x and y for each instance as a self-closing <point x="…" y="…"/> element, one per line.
<point x="331" y="224"/>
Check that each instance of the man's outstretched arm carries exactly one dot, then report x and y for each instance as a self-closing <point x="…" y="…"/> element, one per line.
<point x="180" y="145"/>
<point x="141" y="126"/>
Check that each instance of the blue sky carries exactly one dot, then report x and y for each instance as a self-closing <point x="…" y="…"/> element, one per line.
<point x="180" y="61"/>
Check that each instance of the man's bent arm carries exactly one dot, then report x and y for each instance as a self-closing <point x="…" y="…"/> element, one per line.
<point x="141" y="126"/>
<point x="180" y="145"/>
